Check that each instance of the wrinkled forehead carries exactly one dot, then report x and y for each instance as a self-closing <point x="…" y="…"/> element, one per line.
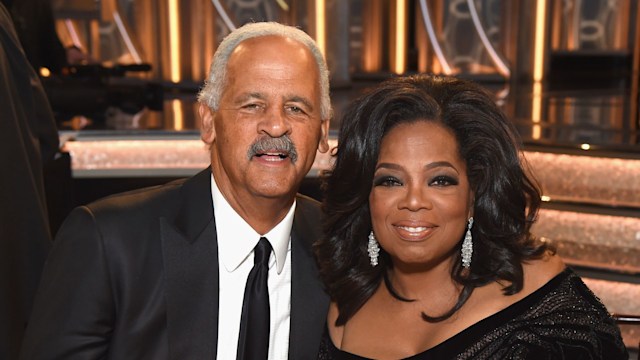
<point x="274" y="58"/>
<point x="275" y="46"/>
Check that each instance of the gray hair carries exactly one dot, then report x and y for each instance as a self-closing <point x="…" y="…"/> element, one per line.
<point x="215" y="83"/>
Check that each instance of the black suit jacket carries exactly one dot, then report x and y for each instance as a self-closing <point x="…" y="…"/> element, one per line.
<point x="135" y="276"/>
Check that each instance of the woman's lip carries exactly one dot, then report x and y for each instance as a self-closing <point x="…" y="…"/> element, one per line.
<point x="414" y="232"/>
<point x="413" y="223"/>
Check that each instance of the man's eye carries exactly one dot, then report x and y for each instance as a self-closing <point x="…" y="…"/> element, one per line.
<point x="295" y="110"/>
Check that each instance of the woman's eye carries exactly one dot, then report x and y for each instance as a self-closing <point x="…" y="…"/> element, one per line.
<point x="387" y="181"/>
<point x="444" y="181"/>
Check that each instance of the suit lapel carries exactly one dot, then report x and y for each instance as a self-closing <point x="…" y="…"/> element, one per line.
<point x="190" y="252"/>
<point x="309" y="303"/>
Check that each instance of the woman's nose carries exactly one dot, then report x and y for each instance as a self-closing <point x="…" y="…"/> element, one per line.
<point x="416" y="198"/>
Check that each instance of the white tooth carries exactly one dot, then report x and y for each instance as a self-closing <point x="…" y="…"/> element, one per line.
<point x="413" y="229"/>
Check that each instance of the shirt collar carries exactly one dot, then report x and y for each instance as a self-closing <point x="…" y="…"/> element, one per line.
<point x="236" y="238"/>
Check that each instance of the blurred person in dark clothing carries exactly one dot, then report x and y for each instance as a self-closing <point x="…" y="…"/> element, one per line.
<point x="28" y="138"/>
<point x="35" y="26"/>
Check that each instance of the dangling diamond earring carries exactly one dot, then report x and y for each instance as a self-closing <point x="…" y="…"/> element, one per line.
<point x="467" y="246"/>
<point x="373" y="249"/>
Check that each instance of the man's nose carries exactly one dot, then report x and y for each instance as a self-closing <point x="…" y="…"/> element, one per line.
<point x="275" y="123"/>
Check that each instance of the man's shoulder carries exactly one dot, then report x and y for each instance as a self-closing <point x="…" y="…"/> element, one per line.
<point x="308" y="206"/>
<point x="157" y="199"/>
<point x="148" y="198"/>
<point x="307" y="201"/>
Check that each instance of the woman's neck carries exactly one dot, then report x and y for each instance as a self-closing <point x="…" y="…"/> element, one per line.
<point x="433" y="289"/>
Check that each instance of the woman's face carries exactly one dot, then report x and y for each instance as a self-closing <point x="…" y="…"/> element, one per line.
<point x="421" y="199"/>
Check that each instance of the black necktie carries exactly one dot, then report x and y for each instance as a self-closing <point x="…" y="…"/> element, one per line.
<point x="253" y="342"/>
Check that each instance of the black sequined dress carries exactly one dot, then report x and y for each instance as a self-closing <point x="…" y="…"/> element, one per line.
<point x="561" y="320"/>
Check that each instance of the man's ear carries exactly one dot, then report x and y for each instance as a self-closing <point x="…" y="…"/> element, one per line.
<point x="207" y="130"/>
<point x="323" y="145"/>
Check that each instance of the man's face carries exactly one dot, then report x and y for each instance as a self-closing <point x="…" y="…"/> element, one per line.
<point x="266" y="132"/>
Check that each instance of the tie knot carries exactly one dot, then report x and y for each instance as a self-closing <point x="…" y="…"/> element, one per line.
<point x="262" y="252"/>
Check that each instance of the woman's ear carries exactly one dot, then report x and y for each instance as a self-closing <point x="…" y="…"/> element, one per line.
<point x="472" y="202"/>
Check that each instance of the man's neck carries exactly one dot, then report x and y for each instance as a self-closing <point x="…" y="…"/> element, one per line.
<point x="264" y="213"/>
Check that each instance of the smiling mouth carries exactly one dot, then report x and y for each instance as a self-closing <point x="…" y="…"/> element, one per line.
<point x="413" y="229"/>
<point x="414" y="233"/>
<point x="273" y="155"/>
<point x="270" y="149"/>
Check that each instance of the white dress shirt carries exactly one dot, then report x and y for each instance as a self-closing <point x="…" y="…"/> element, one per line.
<point x="236" y="240"/>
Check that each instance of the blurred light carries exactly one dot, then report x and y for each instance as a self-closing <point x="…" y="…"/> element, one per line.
<point x="174" y="40"/>
<point x="536" y="111"/>
<point x="283" y="5"/>
<point x="442" y="60"/>
<point x="128" y="42"/>
<point x="545" y="198"/>
<point x="585" y="146"/>
<point x="44" y="72"/>
<point x="320" y="26"/>
<point x="400" y="48"/>
<point x="178" y="116"/>
<point x="538" y="52"/>
<point x="75" y="38"/>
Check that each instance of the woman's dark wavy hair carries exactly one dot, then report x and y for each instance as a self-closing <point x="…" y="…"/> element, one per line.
<point x="506" y="203"/>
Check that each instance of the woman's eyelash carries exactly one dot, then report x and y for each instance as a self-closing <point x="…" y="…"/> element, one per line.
<point x="444" y="180"/>
<point x="386" y="181"/>
<point x="441" y="180"/>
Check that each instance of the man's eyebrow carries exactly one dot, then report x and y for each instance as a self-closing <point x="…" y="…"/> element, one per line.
<point x="248" y="96"/>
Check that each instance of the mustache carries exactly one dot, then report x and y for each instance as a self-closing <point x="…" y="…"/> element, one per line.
<point x="281" y="144"/>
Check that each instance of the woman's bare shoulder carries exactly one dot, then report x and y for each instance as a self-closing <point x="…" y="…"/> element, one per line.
<point x="490" y="298"/>
<point x="335" y="332"/>
<point x="538" y="272"/>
